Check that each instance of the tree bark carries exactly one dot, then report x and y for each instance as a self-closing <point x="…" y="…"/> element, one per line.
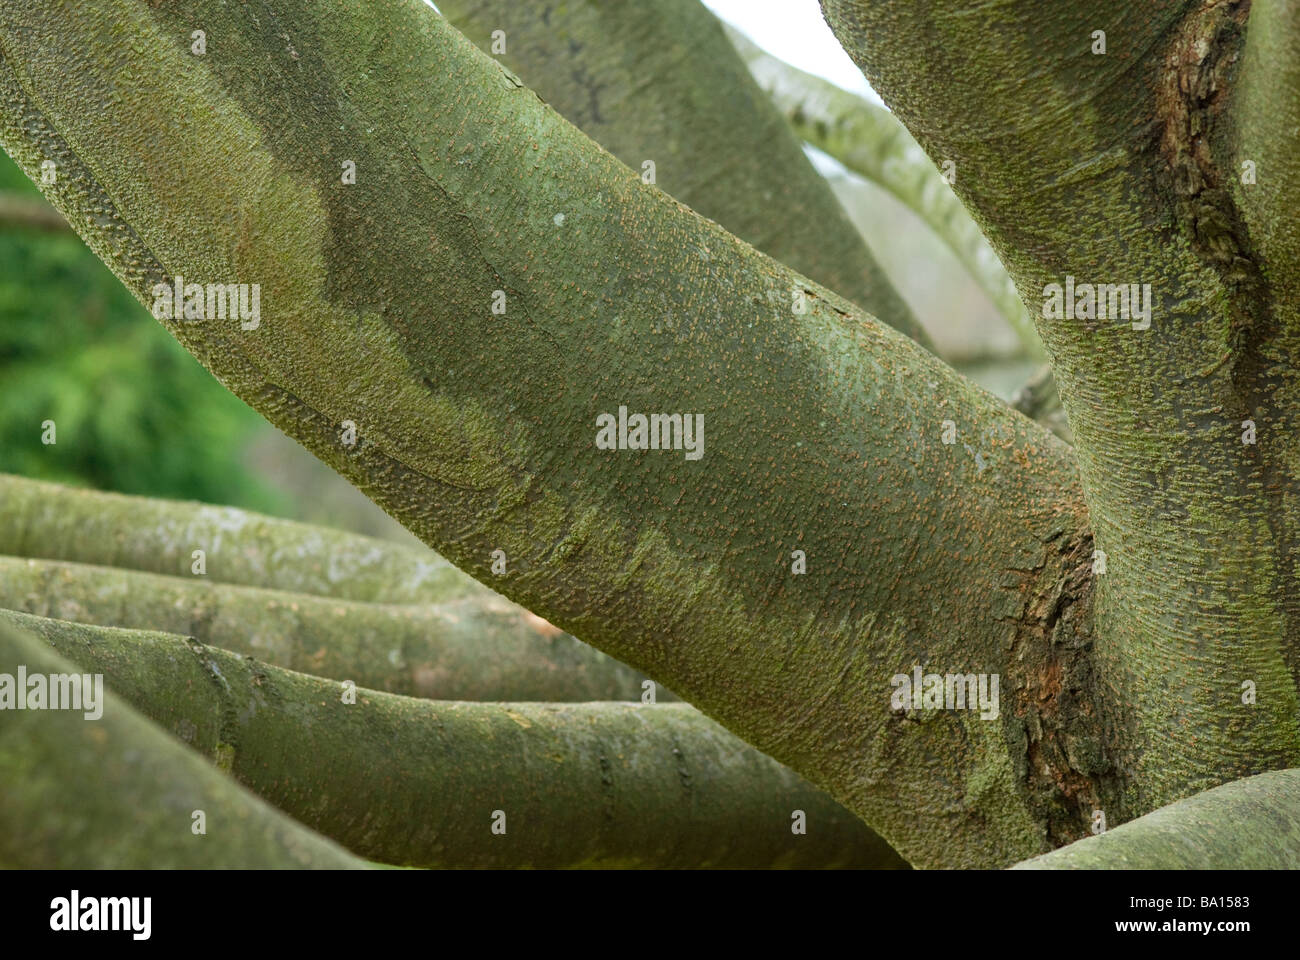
<point x="661" y="82"/>
<point x="417" y="782"/>
<point x="50" y="521"/>
<point x="117" y="793"/>
<point x="1252" y="824"/>
<point x="475" y="649"/>
<point x="1114" y="168"/>
<point x="477" y="430"/>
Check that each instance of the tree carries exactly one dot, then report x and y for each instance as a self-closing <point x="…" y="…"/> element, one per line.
<point x="458" y="288"/>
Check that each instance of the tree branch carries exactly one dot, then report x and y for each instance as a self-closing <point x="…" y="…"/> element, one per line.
<point x="824" y="428"/>
<point x="50" y="521"/>
<point x="660" y="82"/>
<point x="117" y="793"/>
<point x="871" y="143"/>
<point x="1247" y="824"/>
<point x="473" y="649"/>
<point x="416" y="782"/>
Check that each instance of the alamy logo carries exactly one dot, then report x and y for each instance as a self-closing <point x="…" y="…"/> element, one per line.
<point x="658" y="431"/>
<point x="1098" y="301"/>
<point x="55" y="691"/>
<point x="948" y="691"/>
<point x="103" y="913"/>
<point x="212" y="301"/>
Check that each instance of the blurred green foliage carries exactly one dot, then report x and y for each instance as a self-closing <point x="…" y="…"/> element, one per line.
<point x="133" y="411"/>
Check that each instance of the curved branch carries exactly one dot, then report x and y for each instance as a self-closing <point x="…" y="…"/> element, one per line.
<point x="659" y="82"/>
<point x="117" y="793"/>
<point x="825" y="430"/>
<point x="474" y="649"/>
<point x="869" y="141"/>
<point x="417" y="782"/>
<point x="1249" y="824"/>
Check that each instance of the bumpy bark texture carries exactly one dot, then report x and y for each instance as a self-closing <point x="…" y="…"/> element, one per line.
<point x="1252" y="823"/>
<point x="475" y="649"/>
<point x="1116" y="167"/>
<point x="416" y="783"/>
<point x="118" y="793"/>
<point x="824" y="429"/>
<point x="659" y="82"/>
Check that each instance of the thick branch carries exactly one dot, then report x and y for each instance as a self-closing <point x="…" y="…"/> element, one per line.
<point x="474" y="649"/>
<point x="659" y="82"/>
<point x="1249" y="824"/>
<point x="824" y="429"/>
<point x="118" y="793"/>
<point x="416" y="782"/>
<point x="1090" y="168"/>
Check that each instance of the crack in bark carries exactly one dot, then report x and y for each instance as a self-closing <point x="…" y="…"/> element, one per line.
<point x="1199" y="66"/>
<point x="1069" y="768"/>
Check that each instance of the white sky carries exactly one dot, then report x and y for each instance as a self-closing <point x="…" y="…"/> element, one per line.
<point x="794" y="31"/>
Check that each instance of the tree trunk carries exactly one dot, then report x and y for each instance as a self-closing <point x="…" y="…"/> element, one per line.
<point x="1116" y="168"/>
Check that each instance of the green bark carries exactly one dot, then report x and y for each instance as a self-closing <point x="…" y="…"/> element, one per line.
<point x="1247" y="824"/>
<point x="1265" y="169"/>
<point x="475" y="429"/>
<point x="475" y="649"/>
<point x="869" y="141"/>
<point x="54" y="522"/>
<point x="117" y="793"/>
<point x="416" y="782"/>
<point x="660" y="82"/>
<point x="1115" y="168"/>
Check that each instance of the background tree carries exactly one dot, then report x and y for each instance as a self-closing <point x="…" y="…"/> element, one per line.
<point x="1132" y="593"/>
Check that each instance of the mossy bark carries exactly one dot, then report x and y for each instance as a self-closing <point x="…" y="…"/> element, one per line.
<point x="825" y="427"/>
<point x="118" y="793"/>
<point x="1110" y="160"/>
<point x="1247" y="824"/>
<point x="659" y="82"/>
<point x="475" y="649"/>
<point x="417" y="782"/>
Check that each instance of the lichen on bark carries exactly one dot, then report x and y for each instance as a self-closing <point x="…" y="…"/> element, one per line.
<point x="476" y="429"/>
